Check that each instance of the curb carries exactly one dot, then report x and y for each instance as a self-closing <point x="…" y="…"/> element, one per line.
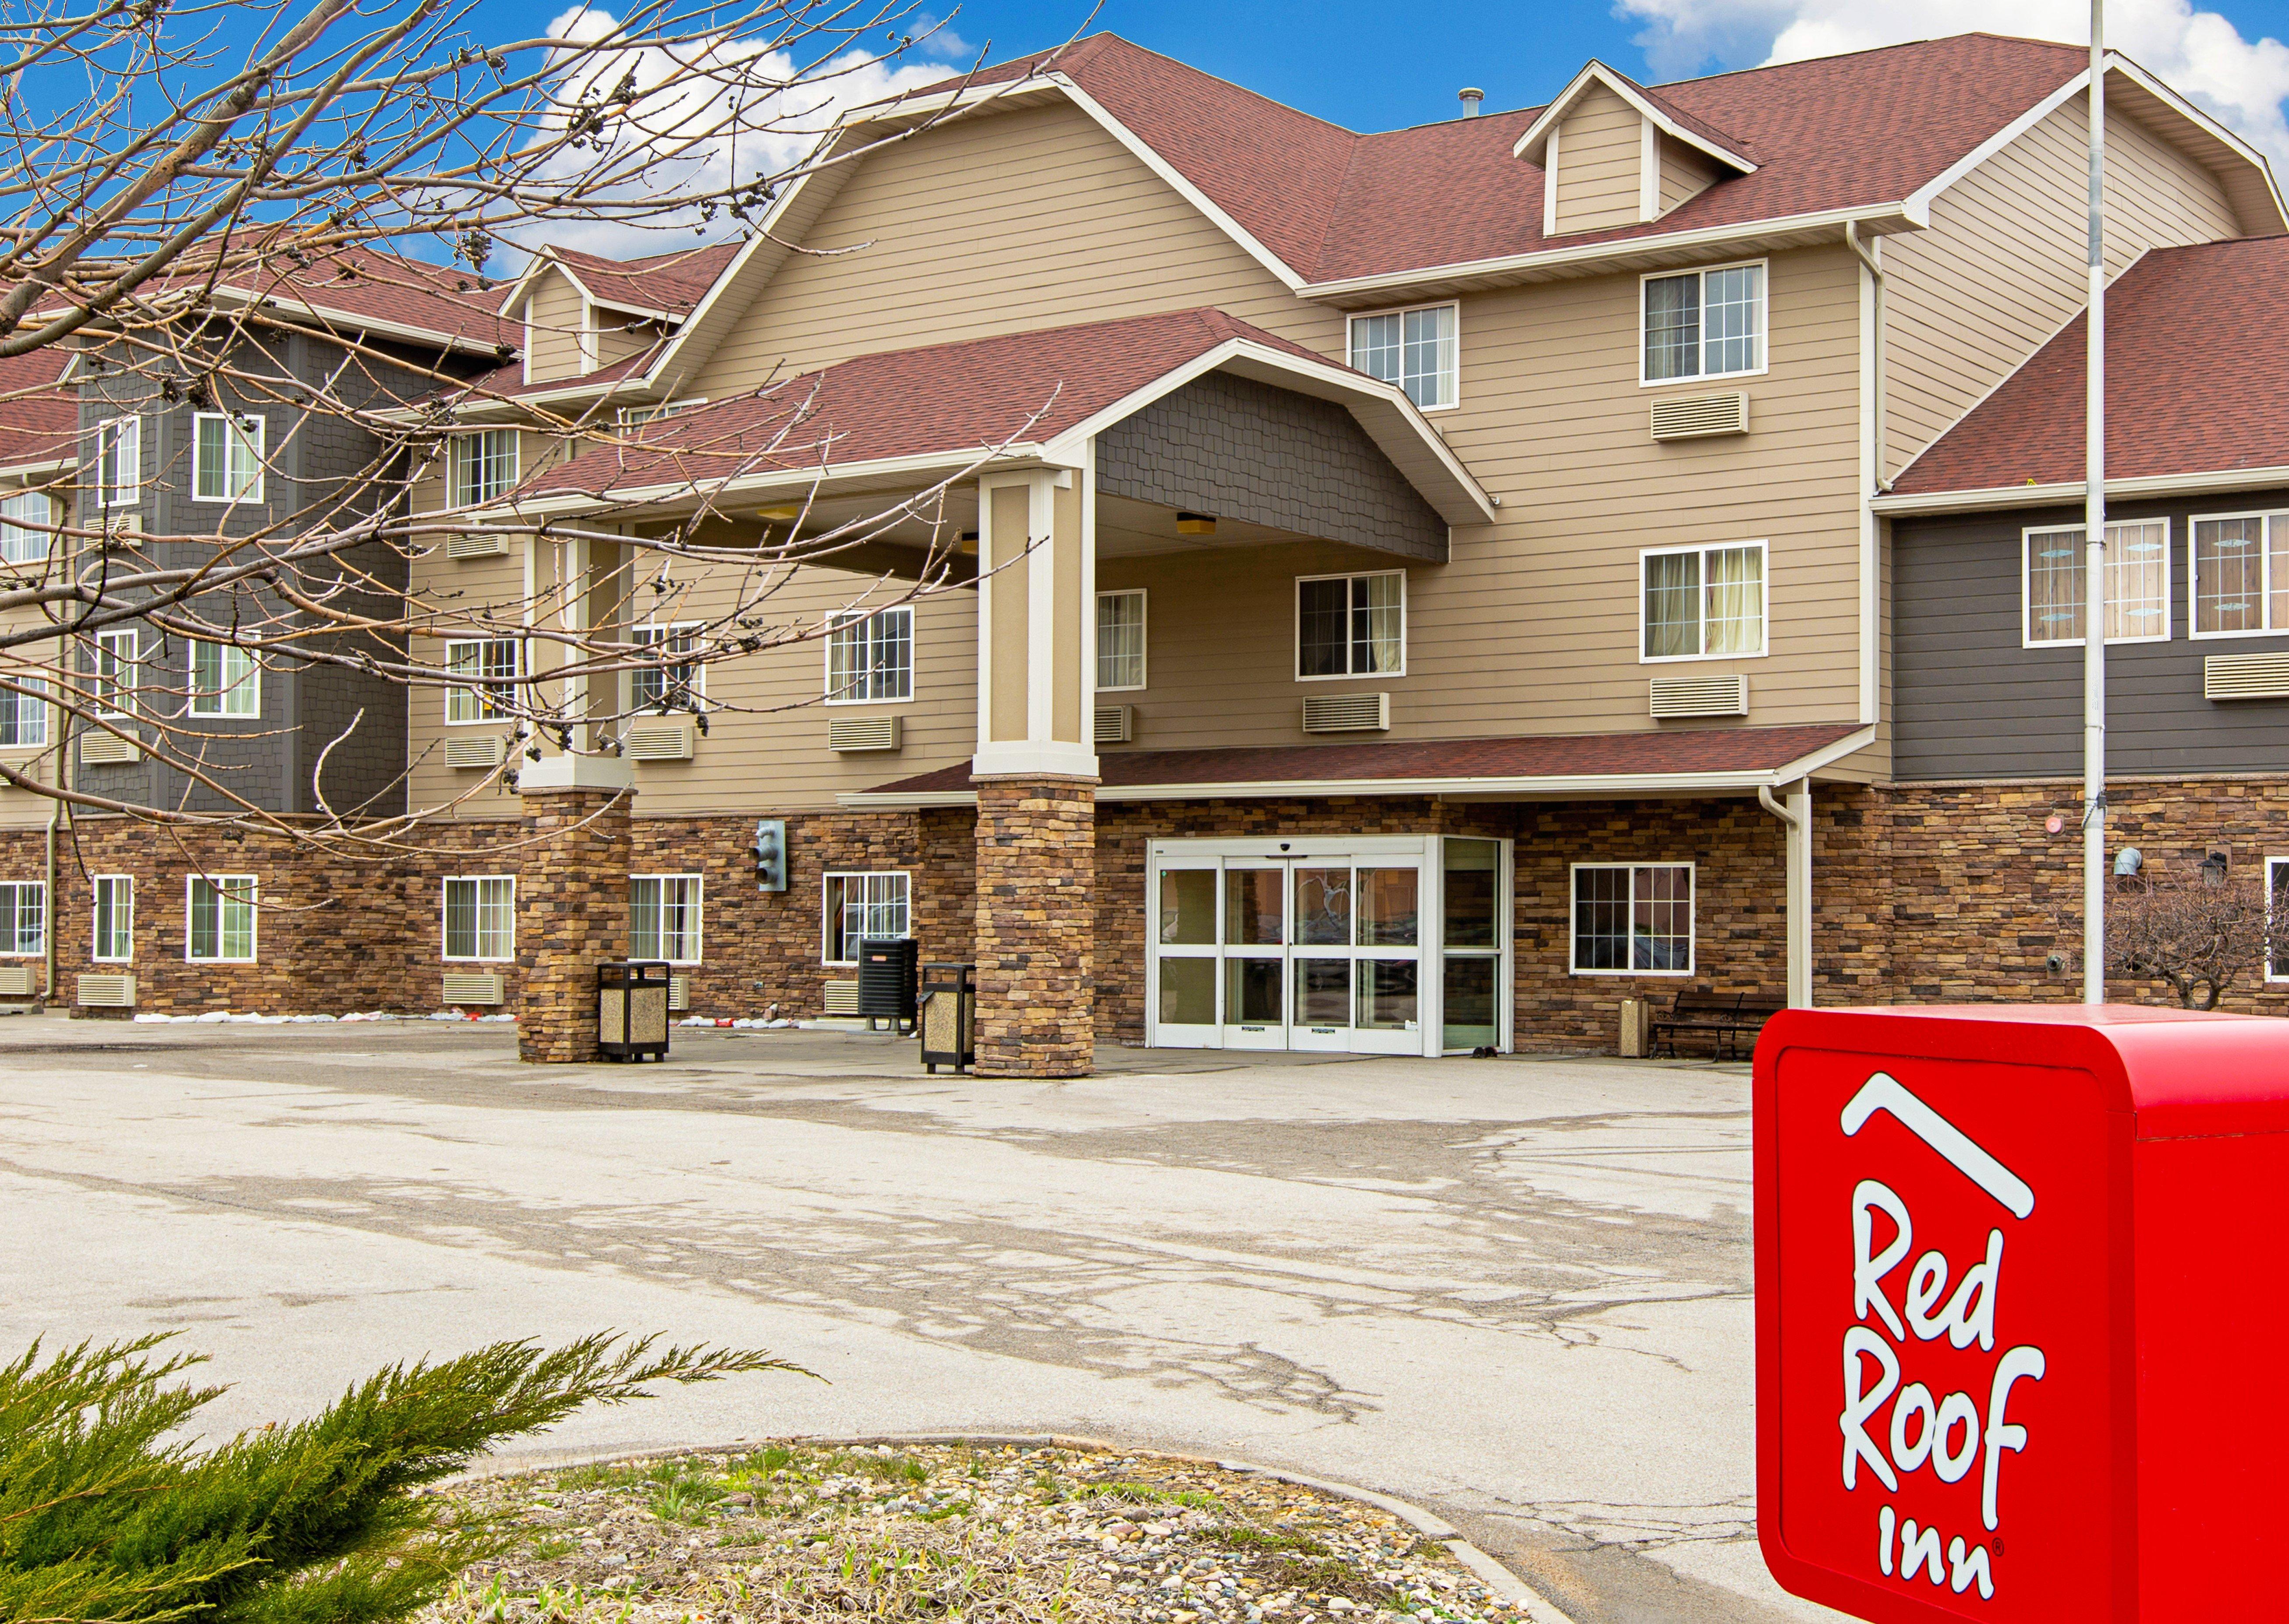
<point x="1505" y="1584"/>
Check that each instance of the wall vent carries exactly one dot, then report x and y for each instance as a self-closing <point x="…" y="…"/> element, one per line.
<point x="468" y="987"/>
<point x="849" y="733"/>
<point x="679" y="994"/>
<point x="1700" y="697"/>
<point x="842" y="998"/>
<point x="15" y="981"/>
<point x="1347" y="714"/>
<point x="1693" y="417"/>
<point x="123" y="530"/>
<point x="476" y="543"/>
<point x="107" y="992"/>
<point x="484" y="750"/>
<point x="657" y="741"/>
<point x="104" y="749"/>
<point x="1116" y="724"/>
<point x="2245" y="676"/>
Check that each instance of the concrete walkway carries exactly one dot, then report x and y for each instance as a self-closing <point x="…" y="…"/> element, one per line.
<point x="1514" y="1292"/>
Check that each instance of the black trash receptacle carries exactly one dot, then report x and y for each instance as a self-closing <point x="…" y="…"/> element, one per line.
<point x="885" y="980"/>
<point x="949" y="1014"/>
<point x="632" y="1009"/>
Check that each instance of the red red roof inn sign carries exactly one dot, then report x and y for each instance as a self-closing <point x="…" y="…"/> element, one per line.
<point x="2022" y="1313"/>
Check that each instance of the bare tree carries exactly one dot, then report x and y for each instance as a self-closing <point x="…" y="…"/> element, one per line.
<point x="2197" y="931"/>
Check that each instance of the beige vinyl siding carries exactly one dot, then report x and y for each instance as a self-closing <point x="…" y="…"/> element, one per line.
<point x="1025" y="220"/>
<point x="554" y="311"/>
<point x="1600" y="146"/>
<point x="1685" y="173"/>
<point x="614" y="342"/>
<point x="2002" y="267"/>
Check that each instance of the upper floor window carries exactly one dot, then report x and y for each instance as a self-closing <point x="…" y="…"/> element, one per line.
<point x="481" y="917"/>
<point x="664" y="918"/>
<point x="219" y="919"/>
<point x="2137" y="584"/>
<point x="227" y="458"/>
<point x="225" y="680"/>
<point x="119" y="462"/>
<point x="27" y="534"/>
<point x="486" y="671"/>
<point x="636" y="417"/>
<point x="671" y="686"/>
<point x="24" y="714"/>
<point x="1416" y="349"/>
<point x="1351" y="625"/>
<point x="1120" y="640"/>
<point x="1702" y="602"/>
<point x="112" y="935"/>
<point x="863" y="905"/>
<point x="23" y="917"/>
<point x="484" y="466"/>
<point x="1704" y="323"/>
<point x="2241" y="575"/>
<point x="872" y="657"/>
<point x="114" y="678"/>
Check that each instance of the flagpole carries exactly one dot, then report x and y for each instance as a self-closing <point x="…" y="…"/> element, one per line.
<point x="2094" y="641"/>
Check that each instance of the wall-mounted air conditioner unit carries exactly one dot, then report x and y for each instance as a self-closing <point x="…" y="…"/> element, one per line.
<point x="106" y="748"/>
<point x="1116" y="724"/>
<point x="1700" y="697"/>
<point x="1696" y="417"/>
<point x="1347" y="714"/>
<point x="2245" y="676"/>
<point x="124" y="530"/>
<point x="467" y="753"/>
<point x="667" y="739"/>
<point x="105" y="992"/>
<point x="472" y="987"/>
<point x="852" y="734"/>
<point x="476" y="543"/>
<point x="842" y="998"/>
<point x="15" y="981"/>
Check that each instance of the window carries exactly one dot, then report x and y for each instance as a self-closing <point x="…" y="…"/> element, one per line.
<point x="2277" y="918"/>
<point x="1415" y="349"/>
<point x="1633" y="916"/>
<point x="667" y="687"/>
<point x="24" y="714"/>
<point x="481" y="917"/>
<point x="27" y="527"/>
<point x="872" y="657"/>
<point x="227" y="458"/>
<point x="119" y="462"/>
<point x="664" y="917"/>
<point x="1702" y="602"/>
<point x="1350" y="625"/>
<point x="2137" y="584"/>
<point x="2241" y="575"/>
<point x="112" y="679"/>
<point x="1704" y="323"/>
<point x="636" y="417"/>
<point x="24" y="917"/>
<point x="225" y="680"/>
<point x="1119" y="640"/>
<point x="219" y="922"/>
<point x="484" y="466"/>
<point x="113" y="935"/>
<point x="863" y="905"/>
<point x="486" y="671"/>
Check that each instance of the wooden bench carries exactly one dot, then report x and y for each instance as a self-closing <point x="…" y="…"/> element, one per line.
<point x="1724" y="1018"/>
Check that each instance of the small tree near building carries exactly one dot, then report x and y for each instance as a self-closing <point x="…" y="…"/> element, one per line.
<point x="2197" y="930"/>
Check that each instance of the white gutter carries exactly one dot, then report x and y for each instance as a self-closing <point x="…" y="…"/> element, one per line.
<point x="2061" y="492"/>
<point x="374" y="325"/>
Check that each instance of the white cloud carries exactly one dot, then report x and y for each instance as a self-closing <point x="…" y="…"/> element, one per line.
<point x="2243" y="82"/>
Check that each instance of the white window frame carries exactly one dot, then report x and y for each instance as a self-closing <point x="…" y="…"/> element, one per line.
<point x="221" y="884"/>
<point x="28" y="691"/>
<point x="119" y="479"/>
<point x="1763" y="324"/>
<point x="653" y="632"/>
<point x="255" y="441"/>
<point x="1765" y="566"/>
<point x="1295" y="628"/>
<point x="12" y="910"/>
<point x="446" y="918"/>
<point x="696" y="936"/>
<point x="913" y="653"/>
<point x="123" y="930"/>
<point x="472" y="445"/>
<point x="123" y="678"/>
<point x="45" y="537"/>
<point x="829" y="930"/>
<point x="2027" y="639"/>
<point x="1574" y="966"/>
<point x="240" y="700"/>
<point x="1144" y="641"/>
<point x="636" y="417"/>
<point x="2269" y="517"/>
<point x="476" y="693"/>
<point x="1450" y="369"/>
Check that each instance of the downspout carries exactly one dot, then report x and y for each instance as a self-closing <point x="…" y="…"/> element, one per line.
<point x="1796" y="818"/>
<point x="1872" y="480"/>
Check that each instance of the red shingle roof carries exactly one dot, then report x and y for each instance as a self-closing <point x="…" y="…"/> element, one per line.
<point x="39" y="420"/>
<point x="382" y="287"/>
<point x="1586" y="755"/>
<point x="915" y="403"/>
<point x="2197" y="380"/>
<point x="672" y="283"/>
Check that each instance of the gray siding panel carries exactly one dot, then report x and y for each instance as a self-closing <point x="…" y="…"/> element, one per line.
<point x="1971" y="702"/>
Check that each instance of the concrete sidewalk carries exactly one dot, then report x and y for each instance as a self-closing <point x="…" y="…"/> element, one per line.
<point x="1514" y="1292"/>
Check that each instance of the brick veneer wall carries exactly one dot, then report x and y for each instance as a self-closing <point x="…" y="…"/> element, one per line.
<point x="571" y="916"/>
<point x="1036" y="927"/>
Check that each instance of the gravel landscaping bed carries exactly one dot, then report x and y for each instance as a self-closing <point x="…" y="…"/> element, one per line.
<point x="990" y="1533"/>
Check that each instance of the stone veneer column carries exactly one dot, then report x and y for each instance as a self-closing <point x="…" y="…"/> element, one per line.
<point x="572" y="905"/>
<point x="1036" y="927"/>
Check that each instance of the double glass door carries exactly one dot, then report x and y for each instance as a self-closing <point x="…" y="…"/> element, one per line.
<point x="1332" y="946"/>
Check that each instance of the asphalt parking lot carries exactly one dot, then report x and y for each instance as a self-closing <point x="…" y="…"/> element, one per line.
<point x="1515" y="1292"/>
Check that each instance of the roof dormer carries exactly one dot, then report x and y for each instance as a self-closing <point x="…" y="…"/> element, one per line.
<point x="1612" y="153"/>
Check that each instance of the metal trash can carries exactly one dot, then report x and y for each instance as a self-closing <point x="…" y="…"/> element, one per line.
<point x="632" y="1009"/>
<point x="885" y="980"/>
<point x="949" y="1013"/>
